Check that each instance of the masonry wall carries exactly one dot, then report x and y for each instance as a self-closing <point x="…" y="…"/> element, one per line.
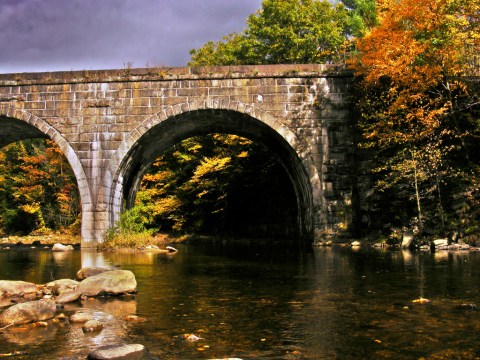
<point x="97" y="116"/>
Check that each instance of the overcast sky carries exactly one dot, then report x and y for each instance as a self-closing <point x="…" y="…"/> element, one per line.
<point x="57" y="35"/>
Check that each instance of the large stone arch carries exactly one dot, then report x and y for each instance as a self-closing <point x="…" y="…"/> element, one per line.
<point x="20" y="125"/>
<point x="175" y="123"/>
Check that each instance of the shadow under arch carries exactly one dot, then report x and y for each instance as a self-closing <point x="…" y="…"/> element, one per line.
<point x="163" y="130"/>
<point x="17" y="124"/>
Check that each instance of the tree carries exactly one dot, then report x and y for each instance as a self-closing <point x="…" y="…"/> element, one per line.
<point x="362" y="16"/>
<point x="218" y="184"/>
<point x="186" y="188"/>
<point x="289" y="32"/>
<point x="37" y="188"/>
<point x="419" y="105"/>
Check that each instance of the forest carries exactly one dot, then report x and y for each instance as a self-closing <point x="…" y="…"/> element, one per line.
<point x="417" y="99"/>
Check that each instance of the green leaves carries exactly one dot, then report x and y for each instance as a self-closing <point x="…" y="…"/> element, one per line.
<point x="291" y="32"/>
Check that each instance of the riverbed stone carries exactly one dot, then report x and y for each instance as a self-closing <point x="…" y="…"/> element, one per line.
<point x="86" y="272"/>
<point x="27" y="312"/>
<point x="60" y="247"/>
<point x="117" y="352"/>
<point x="80" y="317"/>
<point x="113" y="282"/>
<point x="440" y="244"/>
<point x="16" y="288"/>
<point x="92" y="326"/>
<point x="468" y="307"/>
<point x="68" y="297"/>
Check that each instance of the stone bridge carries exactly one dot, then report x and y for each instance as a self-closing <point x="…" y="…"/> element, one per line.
<point x="112" y="124"/>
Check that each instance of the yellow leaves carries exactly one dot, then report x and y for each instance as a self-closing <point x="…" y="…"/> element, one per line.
<point x="157" y="177"/>
<point x="232" y="140"/>
<point x="183" y="157"/>
<point x="209" y="166"/>
<point x="31" y="208"/>
<point x="202" y="193"/>
<point x="166" y="205"/>
<point x="39" y="181"/>
<point x="195" y="148"/>
<point x="189" y="182"/>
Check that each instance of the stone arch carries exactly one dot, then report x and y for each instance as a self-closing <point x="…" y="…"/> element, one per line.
<point x="35" y="127"/>
<point x="250" y="120"/>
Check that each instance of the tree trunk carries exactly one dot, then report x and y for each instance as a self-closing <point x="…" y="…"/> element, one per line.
<point x="417" y="196"/>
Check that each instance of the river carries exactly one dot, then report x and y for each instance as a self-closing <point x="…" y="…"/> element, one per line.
<point x="264" y="301"/>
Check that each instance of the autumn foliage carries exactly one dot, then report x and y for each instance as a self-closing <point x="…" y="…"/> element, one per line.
<point x="419" y="108"/>
<point x="417" y="70"/>
<point x="38" y="192"/>
<point x="218" y="184"/>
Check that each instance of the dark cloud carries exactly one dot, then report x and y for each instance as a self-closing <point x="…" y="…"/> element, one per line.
<point x="49" y="35"/>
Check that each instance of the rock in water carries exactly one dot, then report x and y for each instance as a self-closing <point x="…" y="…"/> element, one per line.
<point x="92" y="326"/>
<point x="86" y="272"/>
<point x="468" y="307"/>
<point x="68" y="297"/>
<point x="407" y="239"/>
<point x="16" y="288"/>
<point x="61" y="247"/>
<point x="28" y="312"/>
<point x="58" y="287"/>
<point x="80" y="317"/>
<point x="113" y="282"/>
<point x="112" y="352"/>
<point x="440" y="244"/>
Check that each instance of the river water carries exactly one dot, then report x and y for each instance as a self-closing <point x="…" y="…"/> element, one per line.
<point x="254" y="301"/>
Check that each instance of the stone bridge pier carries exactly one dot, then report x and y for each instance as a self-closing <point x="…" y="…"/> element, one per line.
<point x="111" y="125"/>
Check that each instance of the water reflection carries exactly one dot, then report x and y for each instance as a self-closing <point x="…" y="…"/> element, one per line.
<point x="255" y="302"/>
<point x="93" y="259"/>
<point x="110" y="312"/>
<point x="28" y="334"/>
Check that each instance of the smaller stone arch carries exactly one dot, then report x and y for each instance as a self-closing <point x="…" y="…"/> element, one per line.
<point x="301" y="167"/>
<point x="34" y="127"/>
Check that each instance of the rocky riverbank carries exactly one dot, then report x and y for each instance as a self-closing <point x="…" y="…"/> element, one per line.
<point x="41" y="305"/>
<point x="39" y="240"/>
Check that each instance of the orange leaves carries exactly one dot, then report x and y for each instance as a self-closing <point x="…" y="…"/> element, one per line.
<point x="417" y="43"/>
<point x="412" y="55"/>
<point x="37" y="179"/>
<point x="416" y="103"/>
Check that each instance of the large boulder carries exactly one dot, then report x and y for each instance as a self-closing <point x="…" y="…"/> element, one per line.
<point x="58" y="287"/>
<point x="116" y="352"/>
<point x="16" y="288"/>
<point x="86" y="272"/>
<point x="113" y="282"/>
<point x="28" y="312"/>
